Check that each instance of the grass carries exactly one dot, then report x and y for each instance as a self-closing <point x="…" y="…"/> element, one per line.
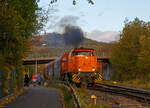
<point x="67" y="96"/>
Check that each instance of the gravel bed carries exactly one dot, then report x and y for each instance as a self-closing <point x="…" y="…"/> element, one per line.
<point x="113" y="100"/>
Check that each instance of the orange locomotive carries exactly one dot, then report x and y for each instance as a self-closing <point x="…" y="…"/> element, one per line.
<point x="79" y="66"/>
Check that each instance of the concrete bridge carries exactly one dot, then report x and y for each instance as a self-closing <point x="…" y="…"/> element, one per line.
<point x="42" y="60"/>
<point x="107" y="68"/>
<point x="45" y="60"/>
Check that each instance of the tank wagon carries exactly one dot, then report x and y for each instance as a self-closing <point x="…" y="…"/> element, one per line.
<point x="79" y="66"/>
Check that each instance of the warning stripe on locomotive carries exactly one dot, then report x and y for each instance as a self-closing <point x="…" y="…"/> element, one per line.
<point x="75" y="78"/>
<point x="98" y="79"/>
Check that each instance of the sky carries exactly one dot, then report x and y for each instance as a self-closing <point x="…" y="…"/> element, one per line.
<point x="102" y="21"/>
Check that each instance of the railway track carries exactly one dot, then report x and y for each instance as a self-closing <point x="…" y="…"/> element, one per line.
<point x="138" y="94"/>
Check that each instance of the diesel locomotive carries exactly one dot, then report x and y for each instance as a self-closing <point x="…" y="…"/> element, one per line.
<point x="79" y="66"/>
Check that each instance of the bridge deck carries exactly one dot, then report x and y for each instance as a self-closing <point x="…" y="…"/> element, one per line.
<point x="33" y="61"/>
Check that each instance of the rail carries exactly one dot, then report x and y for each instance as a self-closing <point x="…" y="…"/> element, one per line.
<point x="138" y="94"/>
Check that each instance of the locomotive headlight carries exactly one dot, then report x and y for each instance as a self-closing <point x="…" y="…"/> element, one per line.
<point x="93" y="68"/>
<point x="79" y="68"/>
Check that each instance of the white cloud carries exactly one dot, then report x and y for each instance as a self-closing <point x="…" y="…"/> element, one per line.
<point x="107" y="36"/>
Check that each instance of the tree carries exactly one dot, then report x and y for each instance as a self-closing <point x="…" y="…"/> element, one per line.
<point x="19" y="21"/>
<point x="143" y="63"/>
<point x="73" y="1"/>
<point x="125" y="53"/>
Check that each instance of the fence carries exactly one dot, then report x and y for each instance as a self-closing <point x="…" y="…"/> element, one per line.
<point x="10" y="81"/>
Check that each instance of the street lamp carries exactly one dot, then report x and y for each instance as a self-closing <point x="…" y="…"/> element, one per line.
<point x="36" y="66"/>
<point x="43" y="44"/>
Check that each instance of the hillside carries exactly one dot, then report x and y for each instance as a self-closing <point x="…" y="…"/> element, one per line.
<point x="53" y="44"/>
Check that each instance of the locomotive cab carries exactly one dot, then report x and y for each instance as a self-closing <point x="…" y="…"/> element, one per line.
<point x="82" y="60"/>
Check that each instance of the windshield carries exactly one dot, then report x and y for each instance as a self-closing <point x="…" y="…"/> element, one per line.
<point x="82" y="53"/>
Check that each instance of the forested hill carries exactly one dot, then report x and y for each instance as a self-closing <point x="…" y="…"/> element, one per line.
<point x="57" y="40"/>
<point x="53" y="44"/>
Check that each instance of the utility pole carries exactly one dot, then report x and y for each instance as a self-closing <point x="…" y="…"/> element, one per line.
<point x="36" y="66"/>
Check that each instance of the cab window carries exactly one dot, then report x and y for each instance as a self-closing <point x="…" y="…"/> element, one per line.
<point x="82" y="53"/>
<point x="92" y="54"/>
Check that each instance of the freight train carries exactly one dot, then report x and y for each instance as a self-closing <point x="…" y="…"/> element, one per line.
<point x="79" y="66"/>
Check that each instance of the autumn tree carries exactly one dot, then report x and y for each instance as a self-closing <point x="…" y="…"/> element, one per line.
<point x="19" y="21"/>
<point x="125" y="55"/>
<point x="73" y="1"/>
<point x="143" y="63"/>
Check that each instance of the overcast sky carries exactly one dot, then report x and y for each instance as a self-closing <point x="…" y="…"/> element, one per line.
<point x="105" y="17"/>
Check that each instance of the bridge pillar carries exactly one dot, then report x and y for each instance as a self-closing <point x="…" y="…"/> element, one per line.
<point x="107" y="71"/>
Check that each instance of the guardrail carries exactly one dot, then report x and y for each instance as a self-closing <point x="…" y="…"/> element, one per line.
<point x="77" y="102"/>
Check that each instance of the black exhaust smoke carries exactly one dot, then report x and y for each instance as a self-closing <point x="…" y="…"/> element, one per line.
<point x="67" y="28"/>
<point x="73" y="35"/>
